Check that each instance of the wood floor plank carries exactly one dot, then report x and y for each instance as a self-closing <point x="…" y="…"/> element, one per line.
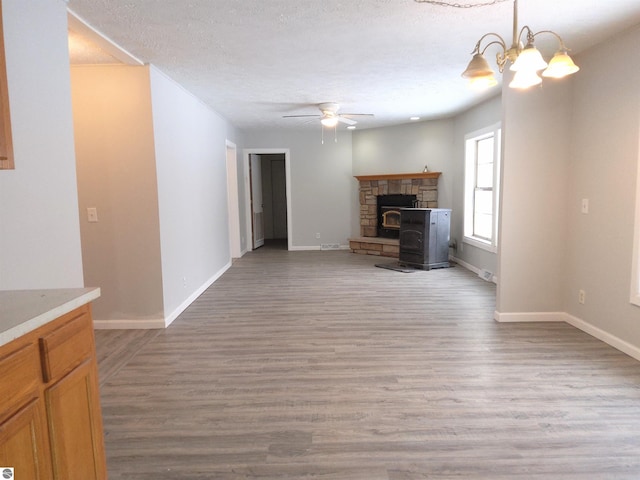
<point x="317" y="365"/>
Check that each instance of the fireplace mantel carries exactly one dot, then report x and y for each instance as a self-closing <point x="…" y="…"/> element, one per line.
<point x="397" y="176"/>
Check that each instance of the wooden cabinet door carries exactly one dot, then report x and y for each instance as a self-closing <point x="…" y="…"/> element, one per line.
<point x="75" y="425"/>
<point x="23" y="443"/>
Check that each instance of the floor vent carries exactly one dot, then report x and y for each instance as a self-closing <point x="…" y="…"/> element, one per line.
<point x="486" y="275"/>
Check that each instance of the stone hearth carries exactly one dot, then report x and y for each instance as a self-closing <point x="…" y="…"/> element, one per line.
<point x="423" y="185"/>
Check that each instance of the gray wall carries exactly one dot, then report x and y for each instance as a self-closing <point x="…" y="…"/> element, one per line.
<point x="190" y="147"/>
<point x="321" y="183"/>
<point x="407" y="149"/>
<point x="532" y="233"/>
<point x="604" y="136"/>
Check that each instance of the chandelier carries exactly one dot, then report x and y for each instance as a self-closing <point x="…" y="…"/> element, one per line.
<point x="525" y="61"/>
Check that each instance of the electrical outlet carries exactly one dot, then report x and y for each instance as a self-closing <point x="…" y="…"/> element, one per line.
<point x="317" y="235"/>
<point x="184" y="282"/>
<point x="582" y="297"/>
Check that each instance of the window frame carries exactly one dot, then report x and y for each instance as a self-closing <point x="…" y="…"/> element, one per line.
<point x="470" y="175"/>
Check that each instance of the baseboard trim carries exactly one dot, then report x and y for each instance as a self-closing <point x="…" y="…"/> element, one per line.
<point x="464" y="264"/>
<point x="516" y="317"/>
<point x="606" y="337"/>
<point x="612" y="340"/>
<point x="317" y="248"/>
<point x="183" y="306"/>
<point x="129" y="324"/>
<point x="153" y="323"/>
<point x="470" y="267"/>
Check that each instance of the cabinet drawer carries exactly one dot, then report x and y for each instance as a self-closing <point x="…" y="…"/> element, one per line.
<point x="19" y="376"/>
<point x="67" y="346"/>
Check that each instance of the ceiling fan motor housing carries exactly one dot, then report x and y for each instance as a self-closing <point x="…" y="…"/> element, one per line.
<point x="329" y="109"/>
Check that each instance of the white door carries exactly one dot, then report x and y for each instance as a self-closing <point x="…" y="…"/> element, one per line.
<point x="257" y="213"/>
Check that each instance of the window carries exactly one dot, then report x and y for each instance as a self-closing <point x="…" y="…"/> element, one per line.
<point x="482" y="174"/>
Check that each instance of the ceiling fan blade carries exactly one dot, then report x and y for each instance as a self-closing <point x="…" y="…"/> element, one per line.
<point x="300" y="116"/>
<point x="348" y="121"/>
<point x="357" y="114"/>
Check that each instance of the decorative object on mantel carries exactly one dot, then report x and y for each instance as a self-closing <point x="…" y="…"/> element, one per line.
<point x="525" y="61"/>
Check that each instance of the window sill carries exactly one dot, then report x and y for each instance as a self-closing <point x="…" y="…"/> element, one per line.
<point x="480" y="244"/>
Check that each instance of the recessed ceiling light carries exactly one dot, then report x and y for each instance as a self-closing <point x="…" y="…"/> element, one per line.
<point x="414" y="118"/>
<point x="351" y="127"/>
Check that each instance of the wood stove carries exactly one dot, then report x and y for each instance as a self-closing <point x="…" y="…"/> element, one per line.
<point x="424" y="237"/>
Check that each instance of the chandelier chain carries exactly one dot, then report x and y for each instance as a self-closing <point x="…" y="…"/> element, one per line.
<point x="461" y="5"/>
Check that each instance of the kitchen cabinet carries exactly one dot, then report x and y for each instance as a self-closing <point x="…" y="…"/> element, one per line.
<point x="50" y="420"/>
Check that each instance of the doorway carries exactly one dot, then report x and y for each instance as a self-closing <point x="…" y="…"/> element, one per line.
<point x="268" y="200"/>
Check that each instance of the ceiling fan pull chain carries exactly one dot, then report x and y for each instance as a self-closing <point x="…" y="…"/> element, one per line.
<point x="335" y="133"/>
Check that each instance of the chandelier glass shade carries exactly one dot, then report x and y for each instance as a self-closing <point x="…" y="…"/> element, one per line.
<point x="525" y="61"/>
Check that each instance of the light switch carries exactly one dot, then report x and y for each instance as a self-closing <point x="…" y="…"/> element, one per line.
<point x="92" y="214"/>
<point x="585" y="205"/>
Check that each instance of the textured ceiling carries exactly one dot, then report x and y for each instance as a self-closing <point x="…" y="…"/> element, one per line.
<point x="254" y="61"/>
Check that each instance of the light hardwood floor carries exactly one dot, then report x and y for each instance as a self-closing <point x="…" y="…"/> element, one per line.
<point x="317" y="365"/>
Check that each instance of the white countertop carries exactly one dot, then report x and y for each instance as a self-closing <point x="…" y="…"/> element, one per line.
<point x="22" y="311"/>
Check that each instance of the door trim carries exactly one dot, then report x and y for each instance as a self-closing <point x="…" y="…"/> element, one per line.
<point x="233" y="199"/>
<point x="287" y="170"/>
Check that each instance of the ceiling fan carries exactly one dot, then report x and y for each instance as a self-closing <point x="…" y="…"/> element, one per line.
<point x="329" y="116"/>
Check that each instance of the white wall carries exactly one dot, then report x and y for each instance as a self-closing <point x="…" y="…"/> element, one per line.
<point x="605" y="136"/>
<point x="322" y="183"/>
<point x="117" y="176"/>
<point x="192" y="192"/>
<point x="487" y="113"/>
<point x="39" y="228"/>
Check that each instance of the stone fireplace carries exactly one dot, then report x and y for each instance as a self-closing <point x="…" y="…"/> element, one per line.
<point x="419" y="189"/>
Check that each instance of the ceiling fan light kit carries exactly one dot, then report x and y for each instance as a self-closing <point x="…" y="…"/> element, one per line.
<point x="525" y="61"/>
<point x="329" y="121"/>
